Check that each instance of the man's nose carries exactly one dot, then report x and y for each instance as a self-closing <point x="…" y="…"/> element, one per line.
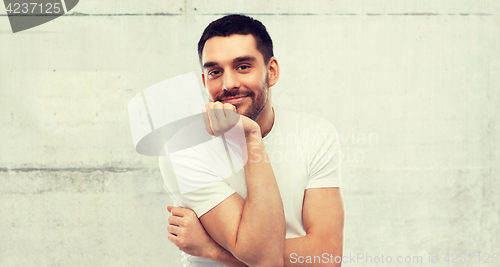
<point x="230" y="81"/>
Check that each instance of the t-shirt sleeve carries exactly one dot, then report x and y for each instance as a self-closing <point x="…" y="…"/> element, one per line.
<point x="194" y="183"/>
<point x="325" y="157"/>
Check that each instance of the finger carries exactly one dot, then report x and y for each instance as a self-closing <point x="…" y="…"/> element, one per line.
<point x="206" y="119"/>
<point x="175" y="220"/>
<point x="228" y="109"/>
<point x="214" y="123"/>
<point x="174" y="239"/>
<point x="232" y="116"/>
<point x="181" y="212"/>
<point x="176" y="211"/>
<point x="221" y="116"/>
<point x="173" y="229"/>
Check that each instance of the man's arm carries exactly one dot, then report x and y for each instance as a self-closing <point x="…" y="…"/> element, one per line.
<point x="260" y="235"/>
<point x="323" y="218"/>
<point x="253" y="230"/>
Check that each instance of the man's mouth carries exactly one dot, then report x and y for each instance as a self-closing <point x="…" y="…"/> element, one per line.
<point x="234" y="100"/>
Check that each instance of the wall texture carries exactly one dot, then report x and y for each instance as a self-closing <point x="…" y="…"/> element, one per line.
<point x="412" y="87"/>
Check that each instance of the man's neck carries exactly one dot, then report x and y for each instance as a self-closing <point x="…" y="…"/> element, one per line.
<point x="266" y="119"/>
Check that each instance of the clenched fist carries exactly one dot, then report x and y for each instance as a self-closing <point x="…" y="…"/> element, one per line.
<point x="223" y="118"/>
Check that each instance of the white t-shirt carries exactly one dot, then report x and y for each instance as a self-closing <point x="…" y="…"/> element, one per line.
<point x="304" y="151"/>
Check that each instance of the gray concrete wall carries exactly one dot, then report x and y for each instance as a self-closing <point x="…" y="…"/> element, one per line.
<point x="413" y="88"/>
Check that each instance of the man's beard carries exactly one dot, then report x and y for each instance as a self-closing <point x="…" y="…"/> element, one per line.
<point x="258" y="102"/>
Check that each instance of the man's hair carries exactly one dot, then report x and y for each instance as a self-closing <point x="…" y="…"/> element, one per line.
<point x="239" y="24"/>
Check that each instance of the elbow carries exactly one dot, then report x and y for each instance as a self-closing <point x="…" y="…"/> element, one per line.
<point x="332" y="250"/>
<point x="278" y="262"/>
<point x="261" y="251"/>
<point x="336" y="257"/>
<point x="329" y="259"/>
<point x="259" y="258"/>
<point x="339" y="263"/>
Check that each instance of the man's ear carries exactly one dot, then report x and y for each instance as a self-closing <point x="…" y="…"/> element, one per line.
<point x="203" y="79"/>
<point x="273" y="71"/>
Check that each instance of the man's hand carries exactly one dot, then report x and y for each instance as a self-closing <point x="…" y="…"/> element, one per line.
<point x="221" y="118"/>
<point x="187" y="233"/>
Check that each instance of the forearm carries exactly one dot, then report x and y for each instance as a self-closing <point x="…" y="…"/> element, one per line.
<point x="295" y="253"/>
<point x="225" y="257"/>
<point x="261" y="231"/>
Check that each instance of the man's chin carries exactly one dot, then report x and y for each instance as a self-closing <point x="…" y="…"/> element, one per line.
<point x="247" y="110"/>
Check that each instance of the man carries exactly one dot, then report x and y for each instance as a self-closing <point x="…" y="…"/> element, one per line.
<point x="284" y="208"/>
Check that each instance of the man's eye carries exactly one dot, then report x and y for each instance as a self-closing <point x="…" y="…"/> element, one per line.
<point x="214" y="72"/>
<point x="243" y="67"/>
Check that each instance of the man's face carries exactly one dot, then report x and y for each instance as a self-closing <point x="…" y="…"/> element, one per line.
<point x="234" y="72"/>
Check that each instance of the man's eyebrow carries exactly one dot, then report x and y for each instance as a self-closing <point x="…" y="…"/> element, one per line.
<point x="236" y="60"/>
<point x="244" y="58"/>
<point x="209" y="64"/>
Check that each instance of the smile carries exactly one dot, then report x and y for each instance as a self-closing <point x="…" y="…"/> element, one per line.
<point x="234" y="100"/>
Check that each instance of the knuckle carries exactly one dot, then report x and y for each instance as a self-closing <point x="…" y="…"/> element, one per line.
<point x="182" y="232"/>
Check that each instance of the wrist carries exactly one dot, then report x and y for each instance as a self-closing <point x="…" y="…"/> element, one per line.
<point x="253" y="137"/>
